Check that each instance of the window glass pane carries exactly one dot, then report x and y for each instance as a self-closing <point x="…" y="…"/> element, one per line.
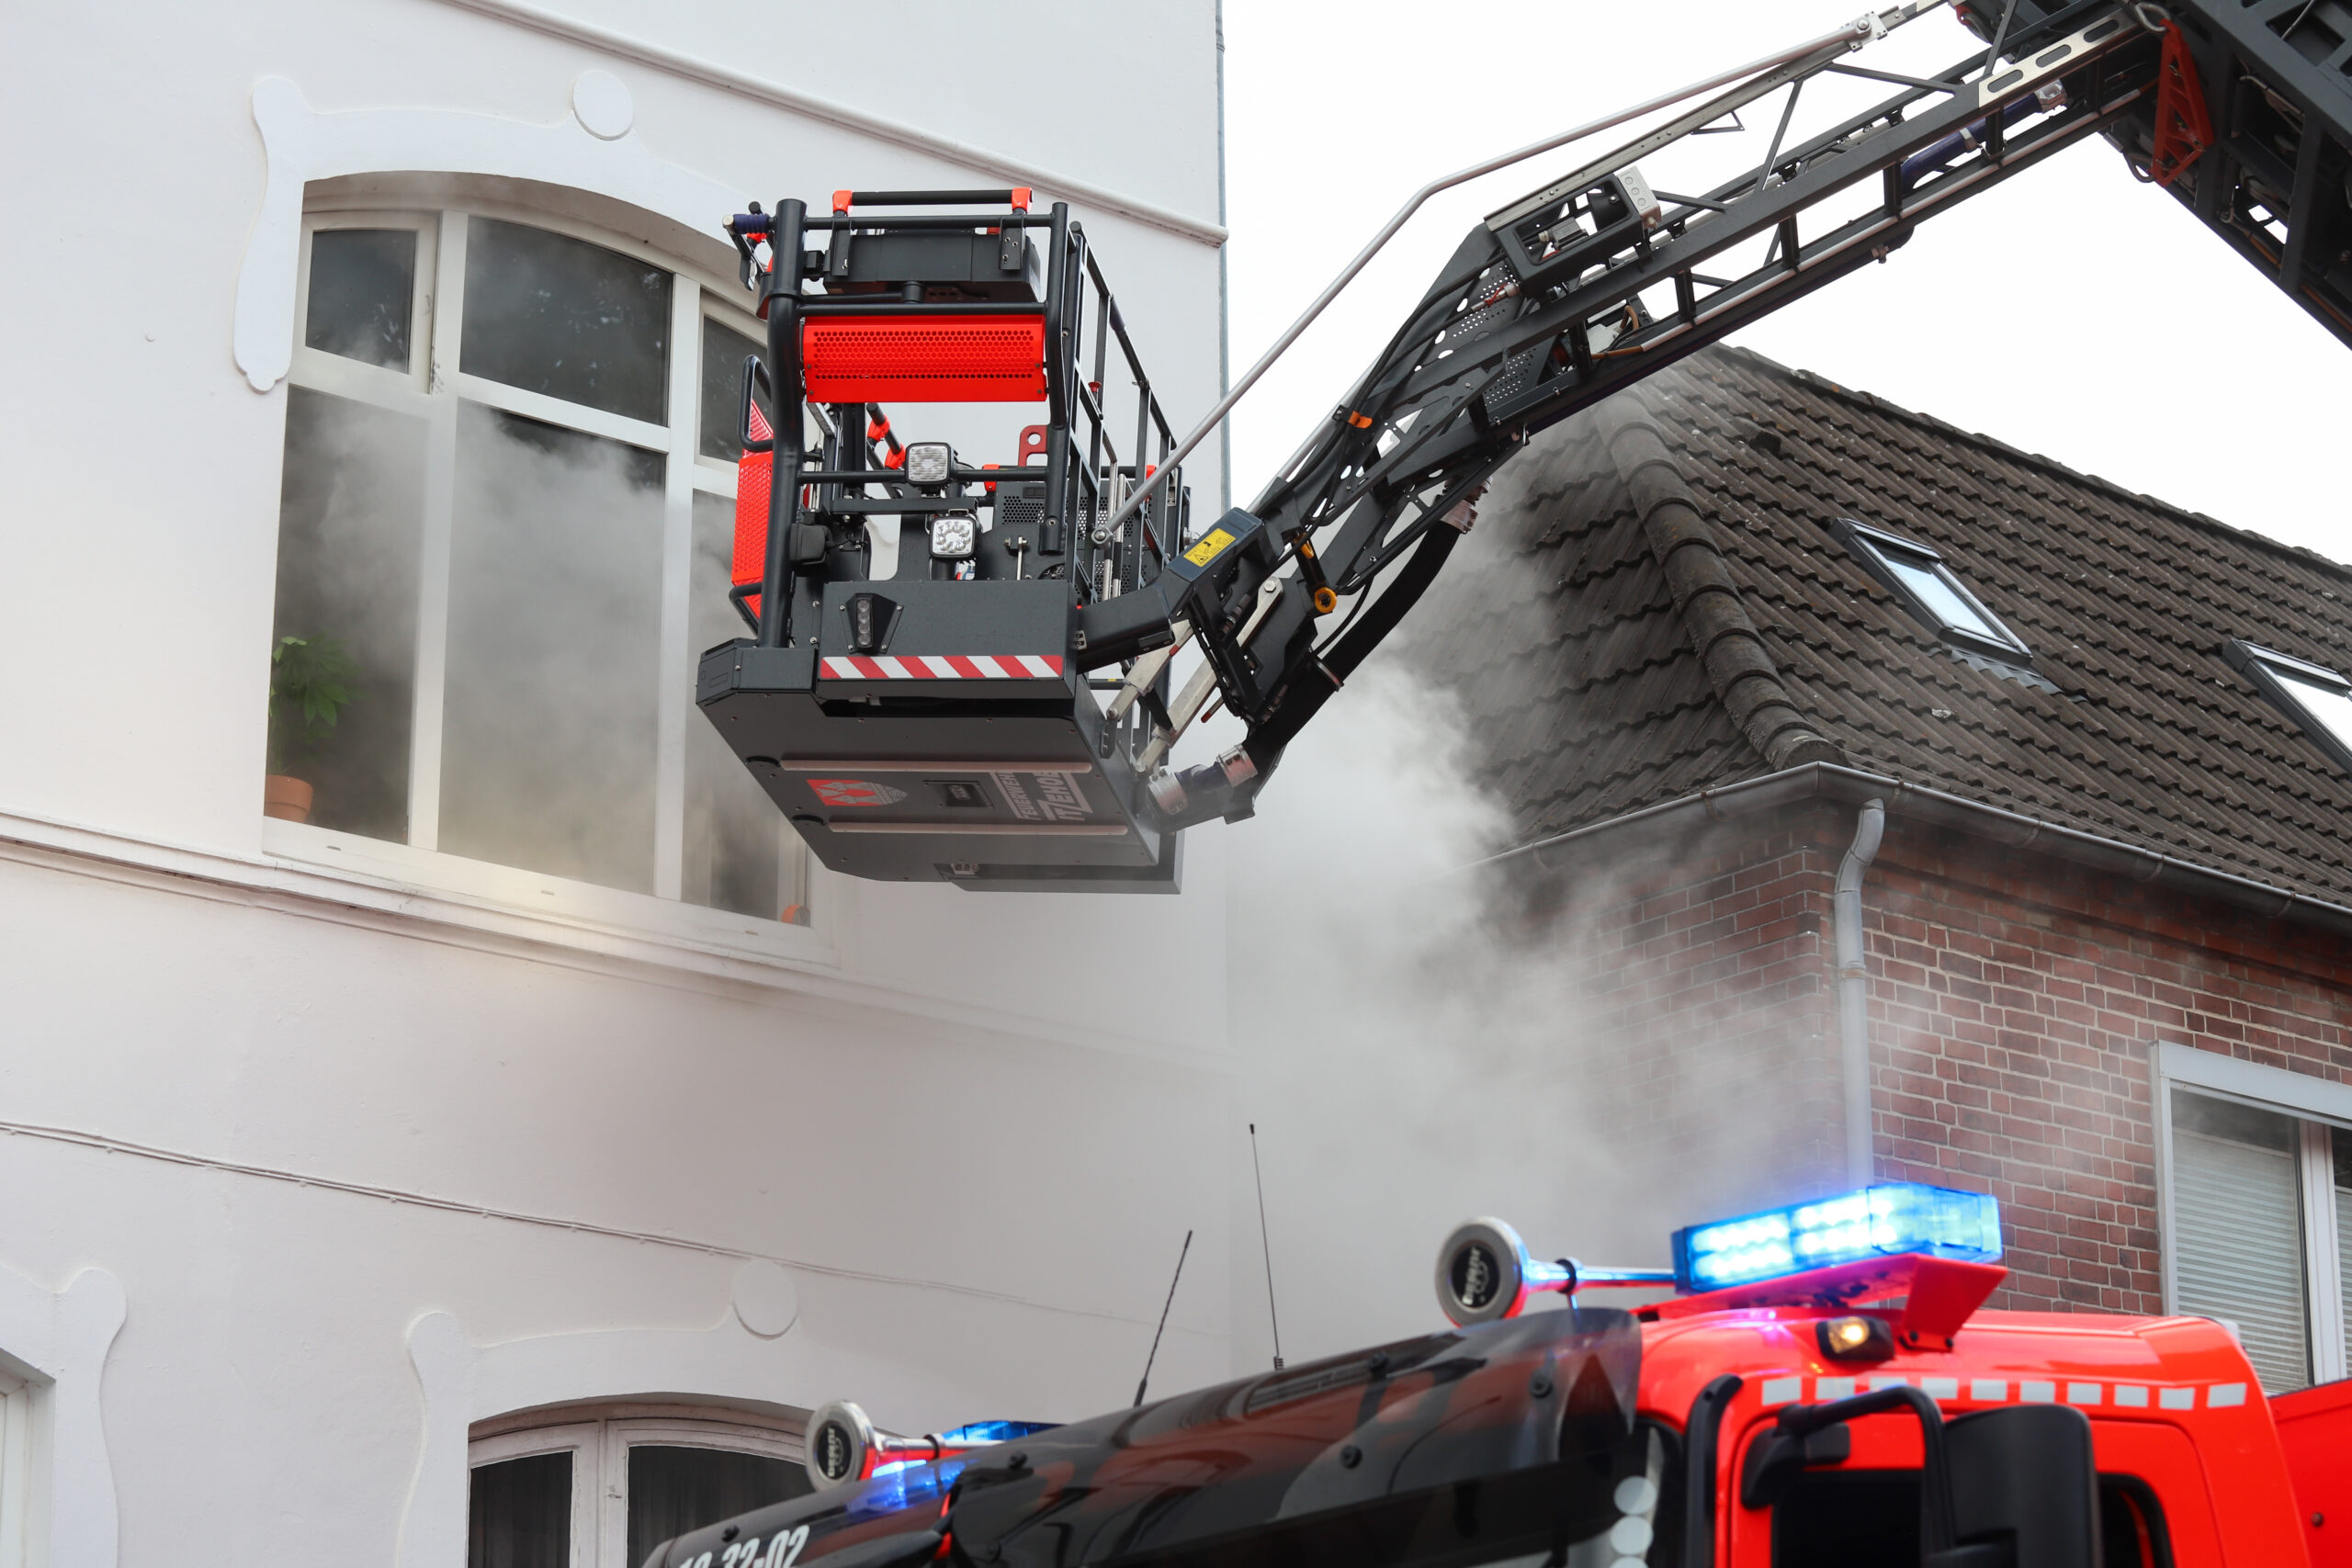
<point x="2238" y="1250"/>
<point x="722" y="389"/>
<point x="1853" y="1517"/>
<point x="1922" y="580"/>
<point x="519" y="1513"/>
<point x="555" y="590"/>
<point x="363" y="285"/>
<point x="742" y="854"/>
<point x="2329" y="706"/>
<point x="2340" y="1142"/>
<point x="350" y="515"/>
<point x="553" y="314"/>
<point x="2131" y="1523"/>
<point x="673" y="1490"/>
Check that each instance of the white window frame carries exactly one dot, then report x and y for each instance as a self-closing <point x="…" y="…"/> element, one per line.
<point x="2263" y="666"/>
<point x="584" y="1442"/>
<point x="599" y="1449"/>
<point x="1871" y="546"/>
<point x="19" y="1457"/>
<point x="2317" y="1105"/>
<point x="431" y="389"/>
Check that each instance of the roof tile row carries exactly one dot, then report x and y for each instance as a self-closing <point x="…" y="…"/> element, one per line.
<point x="1588" y="700"/>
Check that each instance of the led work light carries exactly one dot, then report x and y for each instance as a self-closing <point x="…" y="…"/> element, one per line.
<point x="928" y="462"/>
<point x="954" y="535"/>
<point x="1886" y="1218"/>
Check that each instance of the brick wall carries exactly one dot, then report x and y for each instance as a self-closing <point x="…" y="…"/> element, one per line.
<point x="2013" y="1006"/>
<point x="2014" y="1000"/>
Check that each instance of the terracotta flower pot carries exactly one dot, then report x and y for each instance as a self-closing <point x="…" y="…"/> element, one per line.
<point x="285" y="798"/>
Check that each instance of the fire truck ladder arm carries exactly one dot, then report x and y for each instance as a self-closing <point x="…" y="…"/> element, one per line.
<point x="1578" y="290"/>
<point x="1023" y="591"/>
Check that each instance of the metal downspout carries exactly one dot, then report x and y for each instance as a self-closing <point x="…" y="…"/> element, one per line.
<point x="1853" y="989"/>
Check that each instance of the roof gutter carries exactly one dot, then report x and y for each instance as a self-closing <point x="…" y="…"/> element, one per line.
<point x="1851" y="786"/>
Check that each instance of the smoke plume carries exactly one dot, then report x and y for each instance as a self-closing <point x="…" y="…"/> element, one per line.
<point x="1412" y="1051"/>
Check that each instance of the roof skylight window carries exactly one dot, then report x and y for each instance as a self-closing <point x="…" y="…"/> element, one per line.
<point x="2312" y="694"/>
<point x="1917" y="576"/>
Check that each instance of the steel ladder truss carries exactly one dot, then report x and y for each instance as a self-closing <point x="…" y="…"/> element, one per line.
<point x="2256" y="138"/>
<point x="1580" y="291"/>
<point x="1555" y="301"/>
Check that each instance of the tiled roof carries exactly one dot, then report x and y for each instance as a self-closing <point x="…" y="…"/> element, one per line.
<point x="1653" y="603"/>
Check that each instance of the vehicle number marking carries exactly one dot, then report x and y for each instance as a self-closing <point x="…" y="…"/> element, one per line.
<point x="784" y="1549"/>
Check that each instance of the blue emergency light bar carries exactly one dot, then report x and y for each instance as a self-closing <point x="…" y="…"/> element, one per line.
<point x="980" y="1432"/>
<point x="1885" y="1218"/>
<point x="959" y="1442"/>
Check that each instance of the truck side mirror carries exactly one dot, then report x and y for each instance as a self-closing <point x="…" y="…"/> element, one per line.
<point x="1781" y="1457"/>
<point x="2023" y="1479"/>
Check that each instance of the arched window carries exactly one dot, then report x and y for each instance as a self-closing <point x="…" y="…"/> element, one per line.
<point x="504" y="534"/>
<point x="601" y="1486"/>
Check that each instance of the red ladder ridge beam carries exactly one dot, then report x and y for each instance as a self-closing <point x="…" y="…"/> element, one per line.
<point x="2183" y="128"/>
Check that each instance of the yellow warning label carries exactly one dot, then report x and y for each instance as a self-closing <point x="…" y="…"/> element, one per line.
<point x="1206" y="550"/>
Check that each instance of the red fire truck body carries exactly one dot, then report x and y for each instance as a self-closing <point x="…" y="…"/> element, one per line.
<point x="2195" y="1467"/>
<point x="1863" y="1411"/>
<point x="2191" y="1459"/>
<point x="2316" y="1431"/>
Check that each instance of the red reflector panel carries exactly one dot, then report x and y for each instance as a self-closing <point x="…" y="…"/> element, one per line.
<point x="924" y="359"/>
<point x="752" y="478"/>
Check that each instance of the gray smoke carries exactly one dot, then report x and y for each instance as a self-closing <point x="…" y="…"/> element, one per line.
<point x="553" y="658"/>
<point x="1418" y="1050"/>
<point x="548" y="732"/>
<point x="1404" y="1058"/>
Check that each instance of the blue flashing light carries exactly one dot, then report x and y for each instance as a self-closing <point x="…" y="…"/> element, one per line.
<point x="893" y="1487"/>
<point x="993" y="1432"/>
<point x="904" y="1483"/>
<point x="1886" y="1218"/>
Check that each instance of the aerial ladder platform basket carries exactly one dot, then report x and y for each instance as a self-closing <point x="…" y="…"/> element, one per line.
<point x="933" y="724"/>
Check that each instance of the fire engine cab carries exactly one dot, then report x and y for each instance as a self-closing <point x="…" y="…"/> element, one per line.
<point x="1823" y="1388"/>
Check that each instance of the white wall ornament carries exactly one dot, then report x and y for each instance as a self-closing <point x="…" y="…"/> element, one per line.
<point x="766" y="1301"/>
<point x="63" y="1337"/>
<point x="602" y="105"/>
<point x="590" y="149"/>
<point x="748" y="1354"/>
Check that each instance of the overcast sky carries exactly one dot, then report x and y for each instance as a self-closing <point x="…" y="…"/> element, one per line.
<point x="2073" y="311"/>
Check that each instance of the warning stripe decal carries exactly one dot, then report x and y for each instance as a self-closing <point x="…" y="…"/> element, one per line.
<point x="1780" y="1391"/>
<point x="942" y="667"/>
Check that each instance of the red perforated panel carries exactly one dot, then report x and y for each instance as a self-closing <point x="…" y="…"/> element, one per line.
<point x="752" y="472"/>
<point x="924" y="359"/>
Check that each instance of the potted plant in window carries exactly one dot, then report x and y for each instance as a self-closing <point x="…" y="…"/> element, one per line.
<point x="309" y="685"/>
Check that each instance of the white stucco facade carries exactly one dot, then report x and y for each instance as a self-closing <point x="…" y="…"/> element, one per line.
<point x="317" y="1152"/>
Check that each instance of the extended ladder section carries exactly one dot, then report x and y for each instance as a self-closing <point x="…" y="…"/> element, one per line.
<point x="933" y="724"/>
<point x="2251" y="129"/>
<point x="1597" y="280"/>
<point x="2243" y="108"/>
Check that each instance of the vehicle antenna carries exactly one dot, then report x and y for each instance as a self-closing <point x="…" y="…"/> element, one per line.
<point x="1143" y="1381"/>
<point x="1265" y="1246"/>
